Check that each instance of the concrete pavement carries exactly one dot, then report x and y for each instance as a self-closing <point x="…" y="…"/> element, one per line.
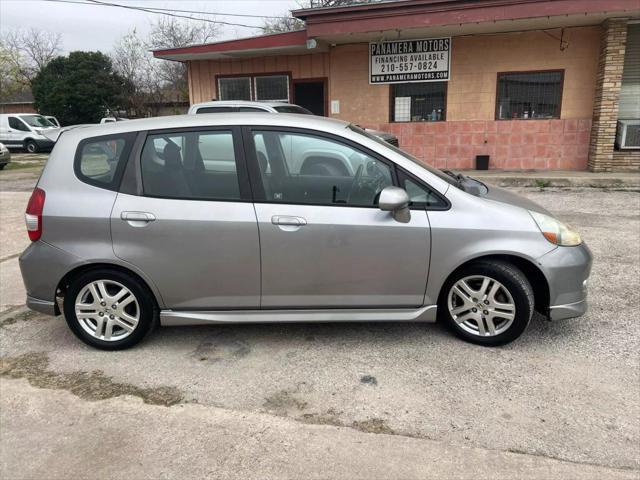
<point x="125" y="438"/>
<point x="558" y="179"/>
<point x="335" y="400"/>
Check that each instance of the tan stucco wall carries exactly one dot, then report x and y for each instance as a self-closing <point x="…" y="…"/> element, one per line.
<point x="349" y="84"/>
<point x="475" y="63"/>
<point x="202" y="73"/>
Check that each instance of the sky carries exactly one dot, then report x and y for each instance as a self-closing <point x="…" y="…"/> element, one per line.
<point x="89" y="27"/>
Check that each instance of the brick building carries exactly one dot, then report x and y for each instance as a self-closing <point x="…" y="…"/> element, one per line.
<point x="535" y="84"/>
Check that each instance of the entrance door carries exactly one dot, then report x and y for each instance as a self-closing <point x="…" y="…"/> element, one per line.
<point x="324" y="242"/>
<point x="310" y="94"/>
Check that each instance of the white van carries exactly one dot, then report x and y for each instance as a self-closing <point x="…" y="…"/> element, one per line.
<point x="25" y="131"/>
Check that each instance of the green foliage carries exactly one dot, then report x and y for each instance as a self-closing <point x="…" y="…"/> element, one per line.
<point x="79" y="88"/>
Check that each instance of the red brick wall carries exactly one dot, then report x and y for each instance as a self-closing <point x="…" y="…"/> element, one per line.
<point x="17" y="108"/>
<point x="512" y="144"/>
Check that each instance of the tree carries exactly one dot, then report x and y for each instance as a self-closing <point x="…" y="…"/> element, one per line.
<point x="171" y="32"/>
<point x="28" y="51"/>
<point x="80" y="88"/>
<point x="151" y="81"/>
<point x="288" y="23"/>
<point x="133" y="62"/>
<point x="11" y="82"/>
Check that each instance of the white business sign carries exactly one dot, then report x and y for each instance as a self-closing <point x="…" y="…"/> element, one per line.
<point x="425" y="60"/>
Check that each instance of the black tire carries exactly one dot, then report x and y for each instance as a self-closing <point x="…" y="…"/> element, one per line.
<point x="146" y="302"/>
<point x="2" y="166"/>
<point x="518" y="287"/>
<point x="31" y="147"/>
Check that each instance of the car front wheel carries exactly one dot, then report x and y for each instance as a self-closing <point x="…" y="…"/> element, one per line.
<point x="488" y="303"/>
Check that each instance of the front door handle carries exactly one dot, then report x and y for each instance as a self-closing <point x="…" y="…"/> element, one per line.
<point x="137" y="216"/>
<point x="288" y="220"/>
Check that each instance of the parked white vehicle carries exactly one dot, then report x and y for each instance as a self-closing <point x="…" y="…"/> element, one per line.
<point x="227" y="106"/>
<point x="112" y="119"/>
<point x="25" y="131"/>
<point x="53" y="120"/>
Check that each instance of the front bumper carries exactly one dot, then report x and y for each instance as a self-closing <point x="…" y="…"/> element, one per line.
<point x="44" y="143"/>
<point x="567" y="271"/>
<point x="571" y="310"/>
<point x="42" y="306"/>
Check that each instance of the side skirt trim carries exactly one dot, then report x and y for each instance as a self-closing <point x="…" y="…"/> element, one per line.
<point x="422" y="314"/>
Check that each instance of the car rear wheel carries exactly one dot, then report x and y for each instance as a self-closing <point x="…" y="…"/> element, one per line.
<point x="31" y="146"/>
<point x="108" y="309"/>
<point x="488" y="303"/>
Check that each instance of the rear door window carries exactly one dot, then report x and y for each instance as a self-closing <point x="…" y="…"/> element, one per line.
<point x="199" y="165"/>
<point x="251" y="109"/>
<point x="215" y="110"/>
<point x="100" y="161"/>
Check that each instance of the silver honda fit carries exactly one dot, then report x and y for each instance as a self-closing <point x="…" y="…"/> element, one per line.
<point x="244" y="218"/>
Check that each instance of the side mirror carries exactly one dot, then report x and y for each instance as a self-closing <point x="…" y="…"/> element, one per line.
<point x="395" y="200"/>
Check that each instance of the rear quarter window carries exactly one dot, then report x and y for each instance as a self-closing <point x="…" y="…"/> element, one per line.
<point x="100" y="161"/>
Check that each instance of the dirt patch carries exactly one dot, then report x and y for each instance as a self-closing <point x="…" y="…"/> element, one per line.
<point x="282" y="402"/>
<point x="330" y="417"/>
<point x="91" y="386"/>
<point x="373" y="425"/>
<point x="22" y="316"/>
<point x="216" y="348"/>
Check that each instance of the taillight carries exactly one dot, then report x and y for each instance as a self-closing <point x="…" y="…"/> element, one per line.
<point x="33" y="215"/>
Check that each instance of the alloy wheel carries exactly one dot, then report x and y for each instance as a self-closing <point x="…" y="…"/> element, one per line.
<point x="107" y="310"/>
<point x="481" y="305"/>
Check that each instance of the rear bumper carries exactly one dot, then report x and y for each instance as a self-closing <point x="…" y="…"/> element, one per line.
<point x="43" y="306"/>
<point x="42" y="267"/>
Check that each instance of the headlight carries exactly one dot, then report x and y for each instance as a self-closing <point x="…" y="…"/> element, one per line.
<point x="555" y="231"/>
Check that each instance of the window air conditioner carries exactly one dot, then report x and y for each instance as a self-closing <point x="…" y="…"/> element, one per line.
<point x="628" y="134"/>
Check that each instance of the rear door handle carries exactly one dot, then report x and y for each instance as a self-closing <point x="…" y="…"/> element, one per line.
<point x="137" y="216"/>
<point x="288" y="220"/>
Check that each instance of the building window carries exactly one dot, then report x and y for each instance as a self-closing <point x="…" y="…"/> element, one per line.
<point x="238" y="88"/>
<point x="274" y="88"/>
<point x="261" y="88"/>
<point x="418" y="102"/>
<point x="529" y="95"/>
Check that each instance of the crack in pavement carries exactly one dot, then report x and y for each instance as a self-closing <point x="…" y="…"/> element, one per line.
<point x="9" y="257"/>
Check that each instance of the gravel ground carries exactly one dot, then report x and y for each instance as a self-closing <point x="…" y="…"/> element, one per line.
<point x="568" y="390"/>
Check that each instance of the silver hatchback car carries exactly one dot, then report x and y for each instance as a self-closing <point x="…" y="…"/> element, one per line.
<point x="241" y="217"/>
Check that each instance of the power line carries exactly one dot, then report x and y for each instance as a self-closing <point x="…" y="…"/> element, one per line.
<point x="166" y="12"/>
<point x="200" y="12"/>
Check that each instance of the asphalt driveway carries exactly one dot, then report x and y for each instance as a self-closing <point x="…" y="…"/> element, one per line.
<point x="334" y="400"/>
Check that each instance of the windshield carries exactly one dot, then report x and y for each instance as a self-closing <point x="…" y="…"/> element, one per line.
<point x="36" y="121"/>
<point x="439" y="173"/>
<point x="292" y="109"/>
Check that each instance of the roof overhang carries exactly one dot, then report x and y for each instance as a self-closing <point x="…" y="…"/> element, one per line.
<point x="288" y="43"/>
<point x="404" y="19"/>
<point x="411" y="18"/>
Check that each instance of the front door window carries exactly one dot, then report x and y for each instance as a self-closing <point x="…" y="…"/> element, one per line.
<point x="305" y="169"/>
